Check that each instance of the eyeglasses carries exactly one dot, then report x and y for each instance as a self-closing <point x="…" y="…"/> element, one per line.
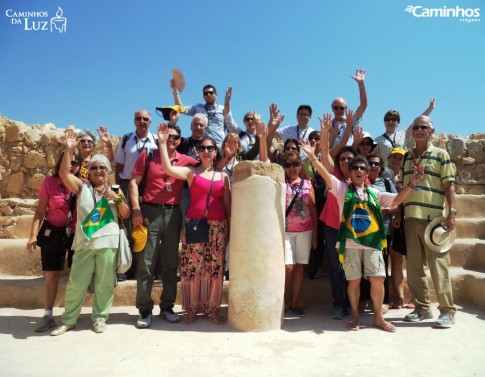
<point x="174" y="137"/>
<point x="374" y="163"/>
<point x="142" y="118"/>
<point x="209" y="92"/>
<point x="314" y="138"/>
<point x="86" y="141"/>
<point x="305" y="115"/>
<point x="75" y="162"/>
<point x="101" y="168"/>
<point x="248" y="119"/>
<point x="208" y="148"/>
<point x="291" y="165"/>
<point x="346" y="159"/>
<point x="341" y="108"/>
<point x="291" y="148"/>
<point x="422" y="128"/>
<point x="365" y="143"/>
<point x="359" y="167"/>
<point x="390" y="120"/>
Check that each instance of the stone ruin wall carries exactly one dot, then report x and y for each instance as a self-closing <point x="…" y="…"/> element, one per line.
<point x="28" y="154"/>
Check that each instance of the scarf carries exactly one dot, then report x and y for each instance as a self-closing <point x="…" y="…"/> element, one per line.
<point x="361" y="221"/>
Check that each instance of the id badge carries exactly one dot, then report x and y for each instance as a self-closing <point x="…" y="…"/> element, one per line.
<point x="47" y="232"/>
<point x="169" y="186"/>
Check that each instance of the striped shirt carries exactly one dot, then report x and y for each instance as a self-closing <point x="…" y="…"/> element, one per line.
<point x="428" y="198"/>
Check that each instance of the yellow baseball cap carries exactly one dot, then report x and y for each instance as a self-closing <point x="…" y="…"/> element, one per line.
<point x="397" y="150"/>
<point x="139" y="235"/>
<point x="167" y="109"/>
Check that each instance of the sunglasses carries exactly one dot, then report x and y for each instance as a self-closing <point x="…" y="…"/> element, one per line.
<point x="422" y="128"/>
<point x="248" y="119"/>
<point x="291" y="165"/>
<point x="74" y="163"/>
<point x="374" y="163"/>
<point x="314" y="138"/>
<point x="208" y="148"/>
<point x="365" y="143"/>
<point x="210" y="92"/>
<point x="86" y="141"/>
<point x="341" y="108"/>
<point x="174" y="137"/>
<point x="142" y="118"/>
<point x="346" y="159"/>
<point x="101" y="168"/>
<point x="390" y="120"/>
<point x="359" y="167"/>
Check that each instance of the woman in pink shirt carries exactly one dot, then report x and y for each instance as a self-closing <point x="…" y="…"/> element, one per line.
<point x="54" y="207"/>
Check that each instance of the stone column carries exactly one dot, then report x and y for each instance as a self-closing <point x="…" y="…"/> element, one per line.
<point x="256" y="263"/>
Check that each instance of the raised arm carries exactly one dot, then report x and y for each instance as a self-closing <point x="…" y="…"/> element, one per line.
<point x="262" y="132"/>
<point x="275" y="119"/>
<point x="307" y="148"/>
<point x="325" y="127"/>
<point x="358" y="136"/>
<point x="227" y="101"/>
<point x="175" y="92"/>
<point x="179" y="172"/>
<point x="73" y="183"/>
<point x="360" y="79"/>
<point x="104" y="136"/>
<point x="430" y="107"/>
<point x="418" y="175"/>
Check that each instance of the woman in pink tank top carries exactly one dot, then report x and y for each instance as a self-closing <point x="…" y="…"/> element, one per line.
<point x="202" y="264"/>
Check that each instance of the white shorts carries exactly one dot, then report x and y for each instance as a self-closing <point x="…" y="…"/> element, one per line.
<point x="297" y="247"/>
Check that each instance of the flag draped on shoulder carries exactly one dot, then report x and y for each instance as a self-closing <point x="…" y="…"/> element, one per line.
<point x="361" y="221"/>
<point x="100" y="216"/>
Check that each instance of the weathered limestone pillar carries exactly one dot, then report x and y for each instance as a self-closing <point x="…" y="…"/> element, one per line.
<point x="256" y="263"/>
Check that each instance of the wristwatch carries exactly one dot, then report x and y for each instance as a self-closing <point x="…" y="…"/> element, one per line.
<point x="452" y="211"/>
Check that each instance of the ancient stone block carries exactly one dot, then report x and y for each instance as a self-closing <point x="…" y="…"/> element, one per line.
<point x="457" y="148"/>
<point x="475" y="150"/>
<point x="14" y="183"/>
<point x="35" y="159"/>
<point x="35" y="182"/>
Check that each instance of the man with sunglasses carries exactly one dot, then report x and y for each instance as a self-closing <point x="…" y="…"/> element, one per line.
<point x="220" y="120"/>
<point x="161" y="207"/>
<point x="426" y="203"/>
<point x="339" y="106"/>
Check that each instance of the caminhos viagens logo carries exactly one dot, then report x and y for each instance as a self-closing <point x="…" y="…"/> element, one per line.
<point x="459" y="13"/>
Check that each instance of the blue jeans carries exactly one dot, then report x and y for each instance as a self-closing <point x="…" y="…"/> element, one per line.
<point x="337" y="275"/>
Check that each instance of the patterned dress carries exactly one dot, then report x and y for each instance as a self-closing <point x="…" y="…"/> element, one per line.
<point x="202" y="264"/>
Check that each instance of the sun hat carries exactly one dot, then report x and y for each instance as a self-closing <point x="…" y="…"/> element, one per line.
<point x="167" y="109"/>
<point x="367" y="135"/>
<point x="437" y="237"/>
<point x="139" y="235"/>
<point x="178" y="79"/>
<point x="397" y="150"/>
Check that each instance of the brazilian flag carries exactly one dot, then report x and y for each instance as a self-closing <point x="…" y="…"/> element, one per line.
<point x="100" y="216"/>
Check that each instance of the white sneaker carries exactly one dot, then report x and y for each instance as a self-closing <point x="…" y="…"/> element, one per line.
<point x="99" y="326"/>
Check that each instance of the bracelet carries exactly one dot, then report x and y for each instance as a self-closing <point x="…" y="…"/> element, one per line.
<point x="120" y="199"/>
<point x="413" y="186"/>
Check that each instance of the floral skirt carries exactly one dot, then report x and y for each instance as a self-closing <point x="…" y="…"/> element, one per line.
<point x="202" y="270"/>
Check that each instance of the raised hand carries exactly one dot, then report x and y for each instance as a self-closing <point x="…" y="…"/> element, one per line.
<point x="71" y="140"/>
<point x="261" y="129"/>
<point x="163" y="132"/>
<point x="358" y="132"/>
<point x="326" y="122"/>
<point x="227" y="99"/>
<point x="307" y="148"/>
<point x="359" y="76"/>
<point x="231" y="146"/>
<point x="275" y="118"/>
<point x="103" y="134"/>
<point x="349" y="117"/>
<point x="431" y="103"/>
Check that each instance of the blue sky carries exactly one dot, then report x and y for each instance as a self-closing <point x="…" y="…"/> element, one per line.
<point x="116" y="57"/>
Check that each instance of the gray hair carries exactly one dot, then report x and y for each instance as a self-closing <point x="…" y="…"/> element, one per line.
<point x="203" y="118"/>
<point x="102" y="159"/>
<point x="84" y="133"/>
<point x="424" y="119"/>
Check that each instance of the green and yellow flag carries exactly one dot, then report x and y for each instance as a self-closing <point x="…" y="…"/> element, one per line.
<point x="100" y="216"/>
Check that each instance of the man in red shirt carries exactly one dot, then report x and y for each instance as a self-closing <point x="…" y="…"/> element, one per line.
<point x="160" y="206"/>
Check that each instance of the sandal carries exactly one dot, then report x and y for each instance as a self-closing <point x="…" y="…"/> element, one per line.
<point x="353" y="325"/>
<point x="386" y="326"/>
<point x="396" y="306"/>
<point x="188" y="318"/>
<point x="216" y="319"/>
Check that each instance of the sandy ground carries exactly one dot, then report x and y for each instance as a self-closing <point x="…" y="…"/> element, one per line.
<point x="312" y="346"/>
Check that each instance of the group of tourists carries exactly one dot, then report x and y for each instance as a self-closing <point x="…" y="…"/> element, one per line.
<point x="345" y="194"/>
